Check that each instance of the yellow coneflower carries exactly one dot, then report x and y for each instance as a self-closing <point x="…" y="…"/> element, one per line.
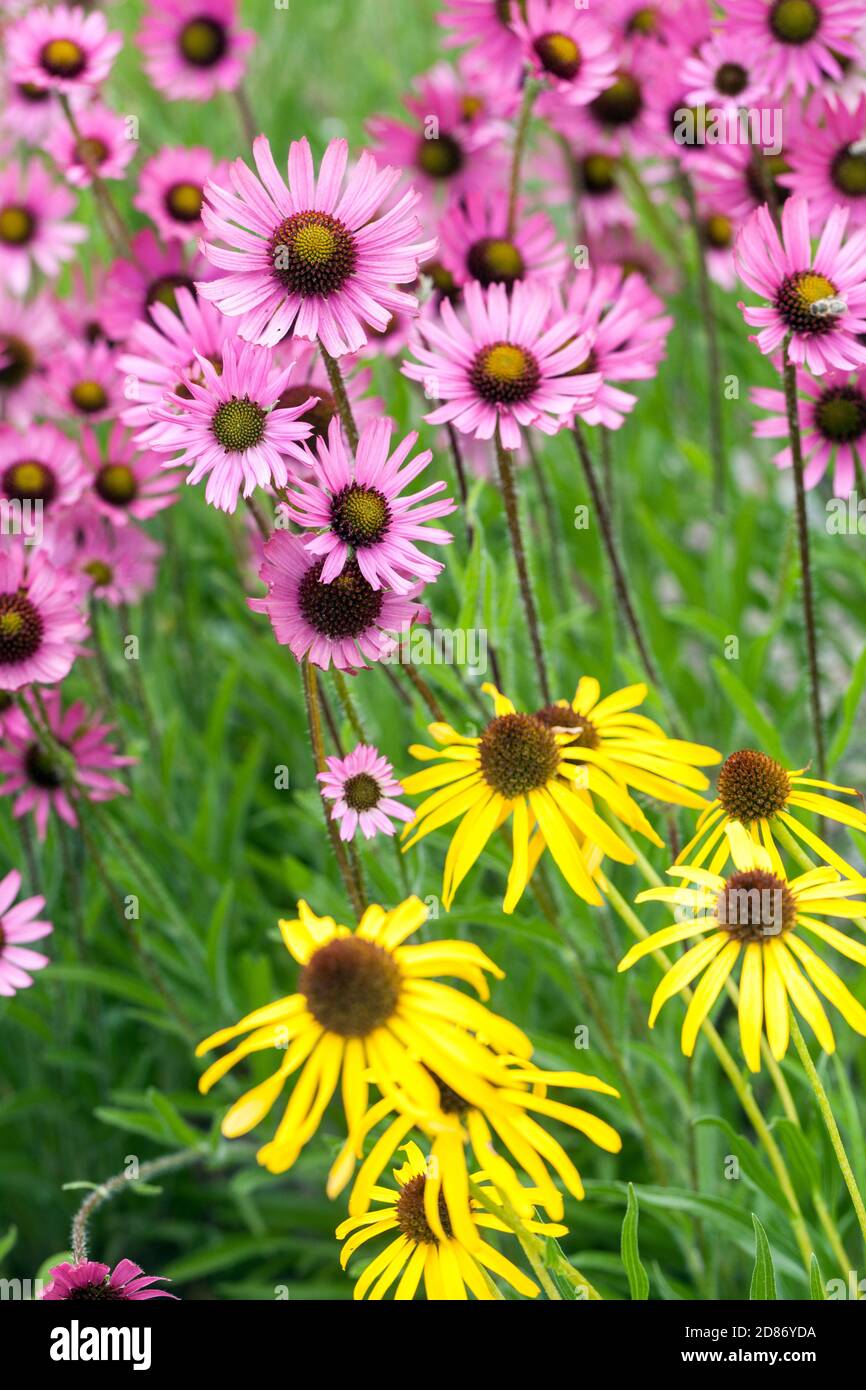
<point x="524" y="768"/>
<point x="759" y="913"/>
<point x="755" y="791"/>
<point x="516" y="1088"/>
<point x="424" y="1243"/>
<point x="367" y="1010"/>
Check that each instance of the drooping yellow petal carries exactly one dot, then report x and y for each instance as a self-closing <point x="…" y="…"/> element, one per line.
<point x="751" y="1006"/>
<point x="680" y="931"/>
<point x="775" y="1004"/>
<point x="829" y="984"/>
<point x="803" y="996"/>
<point x="706" y="993"/>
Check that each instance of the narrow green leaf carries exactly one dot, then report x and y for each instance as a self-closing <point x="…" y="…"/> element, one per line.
<point x="748" y="709"/>
<point x="816" y="1281"/>
<point x="173" y="1120"/>
<point x="638" y="1279"/>
<point x="850" y="705"/>
<point x="763" y="1285"/>
<point x="7" y="1242"/>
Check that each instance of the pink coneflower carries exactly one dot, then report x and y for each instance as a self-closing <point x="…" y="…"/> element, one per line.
<point x="564" y="46"/>
<point x="29" y="338"/>
<point x="41" y="624"/>
<point x="828" y="162"/>
<point x="359" y="508"/>
<point x="29" y="113"/>
<point x="718" y="233"/>
<point x="227" y="427"/>
<point x="363" y="788"/>
<point x="347" y="622"/>
<point x="101" y="145"/>
<point x="34" y="776"/>
<point x="627" y="327"/>
<point x="638" y="24"/>
<point x="90" y="1280"/>
<point x="62" y="49"/>
<point x="619" y="115"/>
<point x="310" y="378"/>
<point x="85" y="383"/>
<point x="832" y="423"/>
<point x="723" y="74"/>
<point x="18" y="925"/>
<point x="164" y="348"/>
<point x="128" y="482"/>
<point x="171" y="190"/>
<point x="806" y="291"/>
<point x="486" y="26"/>
<point x="194" y="48"/>
<point x="475" y="245"/>
<point x="132" y="288"/>
<point x="800" y="41"/>
<point x="621" y="246"/>
<point x="114" y="566"/>
<point x="33" y="231"/>
<point x="574" y="170"/>
<point x="738" y="178"/>
<point x="314" y="259"/>
<point x="510" y="368"/>
<point x="42" y="465"/>
<point x="441" y="152"/>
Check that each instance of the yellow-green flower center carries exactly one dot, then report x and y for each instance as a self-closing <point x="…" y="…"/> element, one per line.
<point x="99" y="572"/>
<point x="351" y="986"/>
<point x="89" y="397"/>
<point x="313" y="254"/>
<point x="517" y="755"/>
<point x="164" y="289"/>
<point x="795" y="21"/>
<point x="116" y="484"/>
<point x="63" y="58"/>
<point x="718" y="231"/>
<point x="620" y="103"/>
<point x="359" y="515"/>
<point x="505" y="373"/>
<point x="183" y="202"/>
<point x="17" y="225"/>
<point x="598" y="173"/>
<point x="495" y="261"/>
<point x="440" y="157"/>
<point x="848" y="172"/>
<point x="29" y="480"/>
<point x="203" y="42"/>
<point x="239" y="424"/>
<point x="644" y="21"/>
<point x="558" y="55"/>
<point x="840" y="414"/>
<point x="20" y="628"/>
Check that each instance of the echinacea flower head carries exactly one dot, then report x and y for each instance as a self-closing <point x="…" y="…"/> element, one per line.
<point x="801" y="42"/>
<point x="41" y="623"/>
<point x="724" y="74"/>
<point x="116" y="565"/>
<point x="227" y="427"/>
<point x="85" y="384"/>
<point x="508" y="368"/>
<point x="128" y="483"/>
<point x="29" y="337"/>
<point x="316" y="257"/>
<point x="828" y="161"/>
<point x="359" y="508"/>
<point x="485" y="27"/>
<point x="518" y="769"/>
<point x="134" y="287"/>
<point x="364" y="791"/>
<point x="475" y="243"/>
<point x="18" y="927"/>
<point x="628" y="328"/>
<point x="423" y="1244"/>
<point x="32" y="773"/>
<point x="368" y="1009"/>
<point x="28" y="113"/>
<point x="816" y="299"/>
<point x="42" y="465"/>
<point x="346" y="623"/>
<point x="171" y="190"/>
<point x="832" y="413"/>
<point x="193" y="48"/>
<point x="91" y="1280"/>
<point x="61" y="49"/>
<point x="101" y="146"/>
<point x="33" y="226"/>
<point x="755" y="791"/>
<point x="567" y="48"/>
<point x="759" y="916"/>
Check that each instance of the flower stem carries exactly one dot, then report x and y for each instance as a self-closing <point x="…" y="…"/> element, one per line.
<point x="109" y="216"/>
<point x="460" y="470"/>
<point x="314" y="719"/>
<point x="512" y="513"/>
<point x="530" y="1244"/>
<point x="830" y="1122"/>
<point x="169" y="1163"/>
<point x="348" y="706"/>
<point x="790" y="382"/>
<point x="714" y="369"/>
<point x="338" y="387"/>
<point x="424" y="691"/>
<point x="619" y="579"/>
<point x="245" y="111"/>
<point x="258" y="517"/>
<point x="531" y="88"/>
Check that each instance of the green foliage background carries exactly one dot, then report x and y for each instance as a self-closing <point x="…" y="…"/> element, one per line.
<point x="96" y="1062"/>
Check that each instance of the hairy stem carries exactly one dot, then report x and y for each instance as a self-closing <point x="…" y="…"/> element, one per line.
<point x="338" y="387"/>
<point x="512" y="514"/>
<point x="169" y="1163"/>
<point x="314" y="719"/>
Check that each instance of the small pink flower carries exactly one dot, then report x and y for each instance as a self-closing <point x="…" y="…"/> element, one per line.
<point x="34" y="777"/>
<point x="347" y="622"/>
<point x="194" y="48"/>
<point x="440" y="150"/>
<point x="359" y="509"/>
<point x="227" y="428"/>
<point x="737" y="178"/>
<point x="102" y="144"/>
<point x="33" y="229"/>
<point x="17" y="926"/>
<point x="475" y="244"/>
<point x="567" y="48"/>
<point x="132" y="288"/>
<point x="638" y="26"/>
<point x="828" y="162"/>
<point x="41" y="624"/>
<point x="795" y="280"/>
<point x="723" y="74"/>
<point x="115" y="565"/>
<point x="61" y="49"/>
<point x="128" y="482"/>
<point x="832" y="423"/>
<point x="171" y="190"/>
<point x="363" y="789"/>
<point x="29" y="340"/>
<point x="85" y="384"/>
<point x="90" y="1280"/>
<point x="510" y="368"/>
<point x="313" y="257"/>
<point x="29" y="113"/>
<point x="486" y="25"/>
<point x="41" y="466"/>
<point x="800" y="41"/>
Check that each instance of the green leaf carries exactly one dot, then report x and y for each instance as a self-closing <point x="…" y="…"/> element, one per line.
<point x="748" y="709"/>
<point x="752" y="1165"/>
<point x="816" y="1281"/>
<point x="763" y="1285"/>
<point x="850" y="705"/>
<point x="174" y="1122"/>
<point x="7" y="1242"/>
<point x="638" y="1279"/>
